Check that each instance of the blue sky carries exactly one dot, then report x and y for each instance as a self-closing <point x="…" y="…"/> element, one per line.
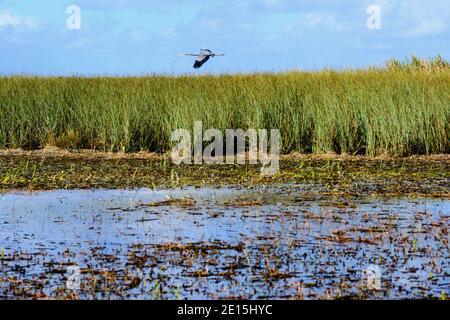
<point x="134" y="37"/>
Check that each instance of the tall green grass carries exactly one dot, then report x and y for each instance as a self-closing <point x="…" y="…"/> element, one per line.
<point x="402" y="109"/>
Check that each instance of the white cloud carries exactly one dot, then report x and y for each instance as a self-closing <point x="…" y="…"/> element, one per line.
<point x="18" y="23"/>
<point x="425" y="27"/>
<point x="414" y="18"/>
<point x="313" y="20"/>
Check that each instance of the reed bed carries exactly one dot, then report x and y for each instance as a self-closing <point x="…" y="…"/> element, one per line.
<point x="401" y="109"/>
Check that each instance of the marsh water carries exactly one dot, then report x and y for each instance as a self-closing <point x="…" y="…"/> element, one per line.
<point x="281" y="242"/>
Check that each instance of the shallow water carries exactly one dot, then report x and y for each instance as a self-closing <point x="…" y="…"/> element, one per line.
<point x="279" y="242"/>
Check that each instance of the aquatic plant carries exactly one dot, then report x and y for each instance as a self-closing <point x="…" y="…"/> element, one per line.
<point x="401" y="109"/>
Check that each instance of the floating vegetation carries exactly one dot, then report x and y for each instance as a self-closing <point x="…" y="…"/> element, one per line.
<point x="330" y="174"/>
<point x="184" y="202"/>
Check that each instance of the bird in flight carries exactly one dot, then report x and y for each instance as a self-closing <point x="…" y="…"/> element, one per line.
<point x="202" y="57"/>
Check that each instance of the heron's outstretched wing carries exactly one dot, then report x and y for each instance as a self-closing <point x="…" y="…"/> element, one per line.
<point x="201" y="60"/>
<point x="205" y="52"/>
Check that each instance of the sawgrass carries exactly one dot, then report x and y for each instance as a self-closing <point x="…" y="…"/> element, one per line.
<point x="401" y="109"/>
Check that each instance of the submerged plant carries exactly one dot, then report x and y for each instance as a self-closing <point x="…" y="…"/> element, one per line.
<point x="177" y="293"/>
<point x="156" y="290"/>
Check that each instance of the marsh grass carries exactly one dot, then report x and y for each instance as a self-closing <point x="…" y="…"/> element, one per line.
<point x="401" y="109"/>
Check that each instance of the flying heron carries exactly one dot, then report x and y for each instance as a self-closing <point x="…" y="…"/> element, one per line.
<point x="203" y="56"/>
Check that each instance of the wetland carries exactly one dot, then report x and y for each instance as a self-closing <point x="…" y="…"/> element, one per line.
<point x="137" y="227"/>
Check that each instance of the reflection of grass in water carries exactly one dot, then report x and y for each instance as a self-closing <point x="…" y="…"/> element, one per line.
<point x="402" y="109"/>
